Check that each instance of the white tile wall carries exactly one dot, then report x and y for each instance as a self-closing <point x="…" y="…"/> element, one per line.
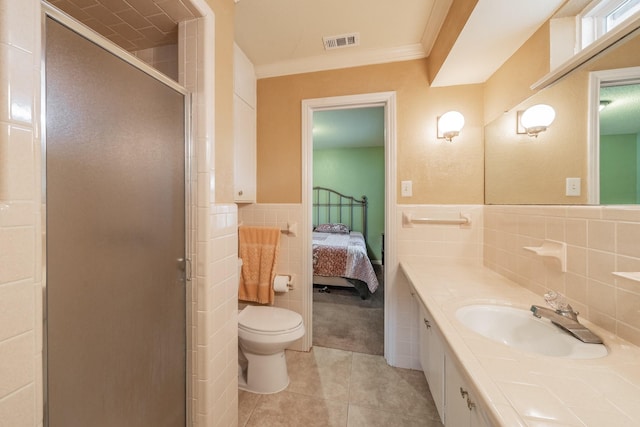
<point x="213" y="356"/>
<point x="290" y="255"/>
<point x="214" y="303"/>
<point x="426" y="241"/>
<point x="20" y="245"/>
<point x="600" y="240"/>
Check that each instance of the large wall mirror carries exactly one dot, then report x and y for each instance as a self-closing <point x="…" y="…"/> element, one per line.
<point x="601" y="147"/>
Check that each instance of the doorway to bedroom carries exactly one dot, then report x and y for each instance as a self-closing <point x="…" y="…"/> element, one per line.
<point x="348" y="218"/>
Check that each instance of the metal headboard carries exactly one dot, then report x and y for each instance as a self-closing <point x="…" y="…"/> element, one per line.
<point x="330" y="206"/>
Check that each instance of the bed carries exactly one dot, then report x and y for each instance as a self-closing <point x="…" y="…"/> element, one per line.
<point x="339" y="242"/>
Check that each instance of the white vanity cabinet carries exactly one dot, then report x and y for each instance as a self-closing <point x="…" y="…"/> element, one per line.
<point x="432" y="355"/>
<point x="462" y="408"/>
<point x="244" y="128"/>
<point x="456" y="403"/>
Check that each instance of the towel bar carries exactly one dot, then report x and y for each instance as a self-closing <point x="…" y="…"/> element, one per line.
<point x="291" y="228"/>
<point x="408" y="220"/>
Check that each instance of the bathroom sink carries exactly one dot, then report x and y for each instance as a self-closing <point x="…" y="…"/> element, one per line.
<point x="519" y="329"/>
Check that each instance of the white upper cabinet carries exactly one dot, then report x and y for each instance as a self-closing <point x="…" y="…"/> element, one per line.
<point x="244" y="128"/>
<point x="244" y="77"/>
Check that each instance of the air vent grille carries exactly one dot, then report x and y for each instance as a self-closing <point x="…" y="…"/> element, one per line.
<point x="343" y="40"/>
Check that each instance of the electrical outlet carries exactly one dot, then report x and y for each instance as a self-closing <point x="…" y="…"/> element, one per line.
<point x="573" y="187"/>
<point x="406" y="188"/>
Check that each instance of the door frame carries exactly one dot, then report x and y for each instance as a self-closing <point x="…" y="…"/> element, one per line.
<point x="49" y="11"/>
<point x="309" y="106"/>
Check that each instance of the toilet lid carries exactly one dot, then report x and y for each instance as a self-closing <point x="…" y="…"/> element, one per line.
<point x="268" y="319"/>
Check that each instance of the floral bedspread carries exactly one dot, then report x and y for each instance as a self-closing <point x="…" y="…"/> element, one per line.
<point x="343" y="255"/>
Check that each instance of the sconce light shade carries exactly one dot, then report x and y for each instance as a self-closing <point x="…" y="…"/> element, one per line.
<point x="536" y="119"/>
<point x="450" y="124"/>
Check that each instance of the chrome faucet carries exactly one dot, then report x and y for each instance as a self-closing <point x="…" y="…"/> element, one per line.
<point x="563" y="316"/>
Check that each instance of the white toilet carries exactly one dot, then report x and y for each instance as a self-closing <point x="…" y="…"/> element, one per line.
<point x="263" y="334"/>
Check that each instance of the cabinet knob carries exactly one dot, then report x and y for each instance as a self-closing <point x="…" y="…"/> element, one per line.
<point x="240" y="193"/>
<point x="427" y="324"/>
<point x="470" y="404"/>
<point x="464" y="393"/>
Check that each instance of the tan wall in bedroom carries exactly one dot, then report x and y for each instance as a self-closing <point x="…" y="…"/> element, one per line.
<point x="441" y="172"/>
<point x="223" y="157"/>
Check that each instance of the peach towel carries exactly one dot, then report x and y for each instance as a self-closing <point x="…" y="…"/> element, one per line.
<point x="258" y="247"/>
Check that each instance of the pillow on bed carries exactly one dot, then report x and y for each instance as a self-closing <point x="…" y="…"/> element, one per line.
<point x="332" y="228"/>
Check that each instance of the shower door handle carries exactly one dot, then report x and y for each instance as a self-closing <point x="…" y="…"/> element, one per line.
<point x="186" y="267"/>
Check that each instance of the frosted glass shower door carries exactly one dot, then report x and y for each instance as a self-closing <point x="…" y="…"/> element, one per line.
<point x="115" y="240"/>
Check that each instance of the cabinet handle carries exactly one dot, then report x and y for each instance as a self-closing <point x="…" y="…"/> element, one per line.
<point x="240" y="193"/>
<point x="464" y="393"/>
<point x="426" y="323"/>
<point x="470" y="404"/>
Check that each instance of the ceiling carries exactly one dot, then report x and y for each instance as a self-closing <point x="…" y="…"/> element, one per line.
<point x="286" y="36"/>
<point x="494" y="31"/>
<point x="283" y="37"/>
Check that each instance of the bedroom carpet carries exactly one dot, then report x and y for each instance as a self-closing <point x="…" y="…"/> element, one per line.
<point x="342" y="320"/>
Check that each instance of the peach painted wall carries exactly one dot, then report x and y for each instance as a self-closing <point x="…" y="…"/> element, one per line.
<point x="441" y="172"/>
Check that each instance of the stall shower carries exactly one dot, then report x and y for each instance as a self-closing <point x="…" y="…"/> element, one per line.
<point x="115" y="239"/>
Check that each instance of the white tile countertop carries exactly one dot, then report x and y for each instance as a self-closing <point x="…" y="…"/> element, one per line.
<point x="519" y="388"/>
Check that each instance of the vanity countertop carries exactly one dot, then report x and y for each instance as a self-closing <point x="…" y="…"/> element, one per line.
<point x="519" y="388"/>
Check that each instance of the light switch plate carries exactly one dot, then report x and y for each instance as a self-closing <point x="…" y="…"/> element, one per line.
<point x="406" y="188"/>
<point x="573" y="187"/>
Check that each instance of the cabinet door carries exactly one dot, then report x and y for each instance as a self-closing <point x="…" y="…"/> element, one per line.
<point x="461" y="409"/>
<point x="244" y="124"/>
<point x="457" y="413"/>
<point x="436" y="369"/>
<point x="432" y="358"/>
<point x="244" y="77"/>
<point x="423" y="338"/>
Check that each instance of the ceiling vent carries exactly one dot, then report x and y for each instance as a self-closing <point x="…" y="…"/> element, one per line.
<point x="344" y="40"/>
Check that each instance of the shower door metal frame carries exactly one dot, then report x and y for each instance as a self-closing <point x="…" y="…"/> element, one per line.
<point x="49" y="11"/>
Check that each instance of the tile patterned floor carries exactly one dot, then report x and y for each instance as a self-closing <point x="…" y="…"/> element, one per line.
<point x="331" y="387"/>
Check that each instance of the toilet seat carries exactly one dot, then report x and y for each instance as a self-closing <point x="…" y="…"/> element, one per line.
<point x="267" y="320"/>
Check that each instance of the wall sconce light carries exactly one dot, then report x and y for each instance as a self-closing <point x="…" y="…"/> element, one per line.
<point x="535" y="119"/>
<point x="450" y="124"/>
<point x="603" y="104"/>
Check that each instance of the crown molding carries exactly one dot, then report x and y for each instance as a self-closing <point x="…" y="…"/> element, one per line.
<point x="346" y="59"/>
